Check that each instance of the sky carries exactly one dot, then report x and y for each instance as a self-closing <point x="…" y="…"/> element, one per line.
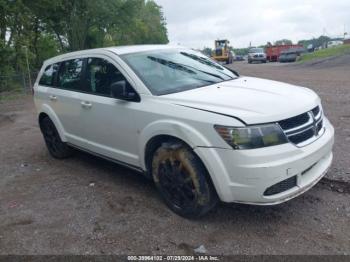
<point x="197" y="23"/>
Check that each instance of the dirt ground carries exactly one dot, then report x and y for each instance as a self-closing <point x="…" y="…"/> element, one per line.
<point x="85" y="205"/>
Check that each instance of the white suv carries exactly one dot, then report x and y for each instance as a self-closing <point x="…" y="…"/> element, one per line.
<point x="199" y="130"/>
<point x="256" y="55"/>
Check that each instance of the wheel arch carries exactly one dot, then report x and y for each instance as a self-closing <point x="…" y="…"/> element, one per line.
<point x="46" y="111"/>
<point x="168" y="130"/>
<point x="155" y="142"/>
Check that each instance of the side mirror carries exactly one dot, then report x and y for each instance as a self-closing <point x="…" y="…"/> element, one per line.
<point x="120" y="90"/>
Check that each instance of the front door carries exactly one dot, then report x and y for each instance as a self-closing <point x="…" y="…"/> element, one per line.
<point x="109" y="125"/>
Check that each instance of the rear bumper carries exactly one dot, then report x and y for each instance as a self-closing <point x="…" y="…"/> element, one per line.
<point x="245" y="175"/>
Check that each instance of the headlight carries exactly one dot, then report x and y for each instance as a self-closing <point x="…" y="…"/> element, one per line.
<point x="252" y="137"/>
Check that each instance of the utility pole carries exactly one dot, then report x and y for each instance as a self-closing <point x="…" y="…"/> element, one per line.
<point x="29" y="77"/>
<point x="345" y="33"/>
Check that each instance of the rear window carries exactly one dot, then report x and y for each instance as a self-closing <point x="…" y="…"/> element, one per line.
<point x="70" y="75"/>
<point x="49" y="74"/>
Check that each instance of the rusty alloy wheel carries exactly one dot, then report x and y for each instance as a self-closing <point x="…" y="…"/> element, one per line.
<point x="176" y="182"/>
<point x="182" y="180"/>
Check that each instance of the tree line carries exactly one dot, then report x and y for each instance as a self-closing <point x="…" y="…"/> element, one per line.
<point x="44" y="28"/>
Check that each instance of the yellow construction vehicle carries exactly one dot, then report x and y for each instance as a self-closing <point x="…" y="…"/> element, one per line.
<point x="222" y="52"/>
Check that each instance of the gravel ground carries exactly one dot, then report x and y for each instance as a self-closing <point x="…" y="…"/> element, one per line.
<point x="85" y="205"/>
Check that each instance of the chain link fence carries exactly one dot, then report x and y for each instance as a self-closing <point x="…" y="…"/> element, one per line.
<point x="17" y="82"/>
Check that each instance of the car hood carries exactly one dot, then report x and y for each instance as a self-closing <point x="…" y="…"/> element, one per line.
<point x="252" y="100"/>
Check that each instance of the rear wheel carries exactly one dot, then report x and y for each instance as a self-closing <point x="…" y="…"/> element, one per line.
<point x="57" y="148"/>
<point x="183" y="181"/>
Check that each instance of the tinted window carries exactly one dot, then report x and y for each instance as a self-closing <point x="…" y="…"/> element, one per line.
<point x="100" y="75"/>
<point x="49" y="74"/>
<point x="70" y="74"/>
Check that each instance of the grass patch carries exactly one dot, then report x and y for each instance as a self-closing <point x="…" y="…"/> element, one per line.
<point x="328" y="52"/>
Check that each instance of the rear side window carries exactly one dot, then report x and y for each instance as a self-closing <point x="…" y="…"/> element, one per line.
<point x="70" y="74"/>
<point x="100" y="75"/>
<point x="49" y="74"/>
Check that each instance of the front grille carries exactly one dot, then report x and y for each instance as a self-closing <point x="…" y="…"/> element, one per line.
<point x="303" y="127"/>
<point x="316" y="110"/>
<point x="299" y="138"/>
<point x="319" y="126"/>
<point x="294" y="121"/>
<point x="281" y="186"/>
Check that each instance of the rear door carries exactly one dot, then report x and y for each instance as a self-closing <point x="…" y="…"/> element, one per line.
<point x="65" y="100"/>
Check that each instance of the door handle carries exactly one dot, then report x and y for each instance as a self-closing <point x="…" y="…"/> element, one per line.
<point x="86" y="104"/>
<point x="53" y="98"/>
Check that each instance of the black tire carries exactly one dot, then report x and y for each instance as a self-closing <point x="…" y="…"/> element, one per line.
<point x="183" y="181"/>
<point x="249" y="61"/>
<point x="54" y="144"/>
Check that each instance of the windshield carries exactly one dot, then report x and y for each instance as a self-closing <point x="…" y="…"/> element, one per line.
<point x="176" y="70"/>
<point x="256" y="50"/>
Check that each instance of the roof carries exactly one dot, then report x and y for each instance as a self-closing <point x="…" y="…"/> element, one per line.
<point x="119" y="50"/>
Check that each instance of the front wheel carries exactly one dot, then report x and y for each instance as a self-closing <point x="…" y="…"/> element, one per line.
<point x="183" y="181"/>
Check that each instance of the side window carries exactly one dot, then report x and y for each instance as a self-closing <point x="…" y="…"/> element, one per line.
<point x="100" y="75"/>
<point x="49" y="75"/>
<point x="70" y="74"/>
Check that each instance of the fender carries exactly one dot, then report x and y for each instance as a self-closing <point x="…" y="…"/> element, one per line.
<point x="174" y="128"/>
<point x="45" y="108"/>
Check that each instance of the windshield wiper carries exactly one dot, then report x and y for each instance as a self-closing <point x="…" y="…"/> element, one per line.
<point x="201" y="60"/>
<point x="211" y="74"/>
<point x="208" y="73"/>
<point x="171" y="64"/>
<point x="209" y="63"/>
<point x="182" y="67"/>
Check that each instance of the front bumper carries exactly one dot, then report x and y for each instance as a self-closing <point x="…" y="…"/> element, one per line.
<point x="244" y="175"/>
<point x="257" y="58"/>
